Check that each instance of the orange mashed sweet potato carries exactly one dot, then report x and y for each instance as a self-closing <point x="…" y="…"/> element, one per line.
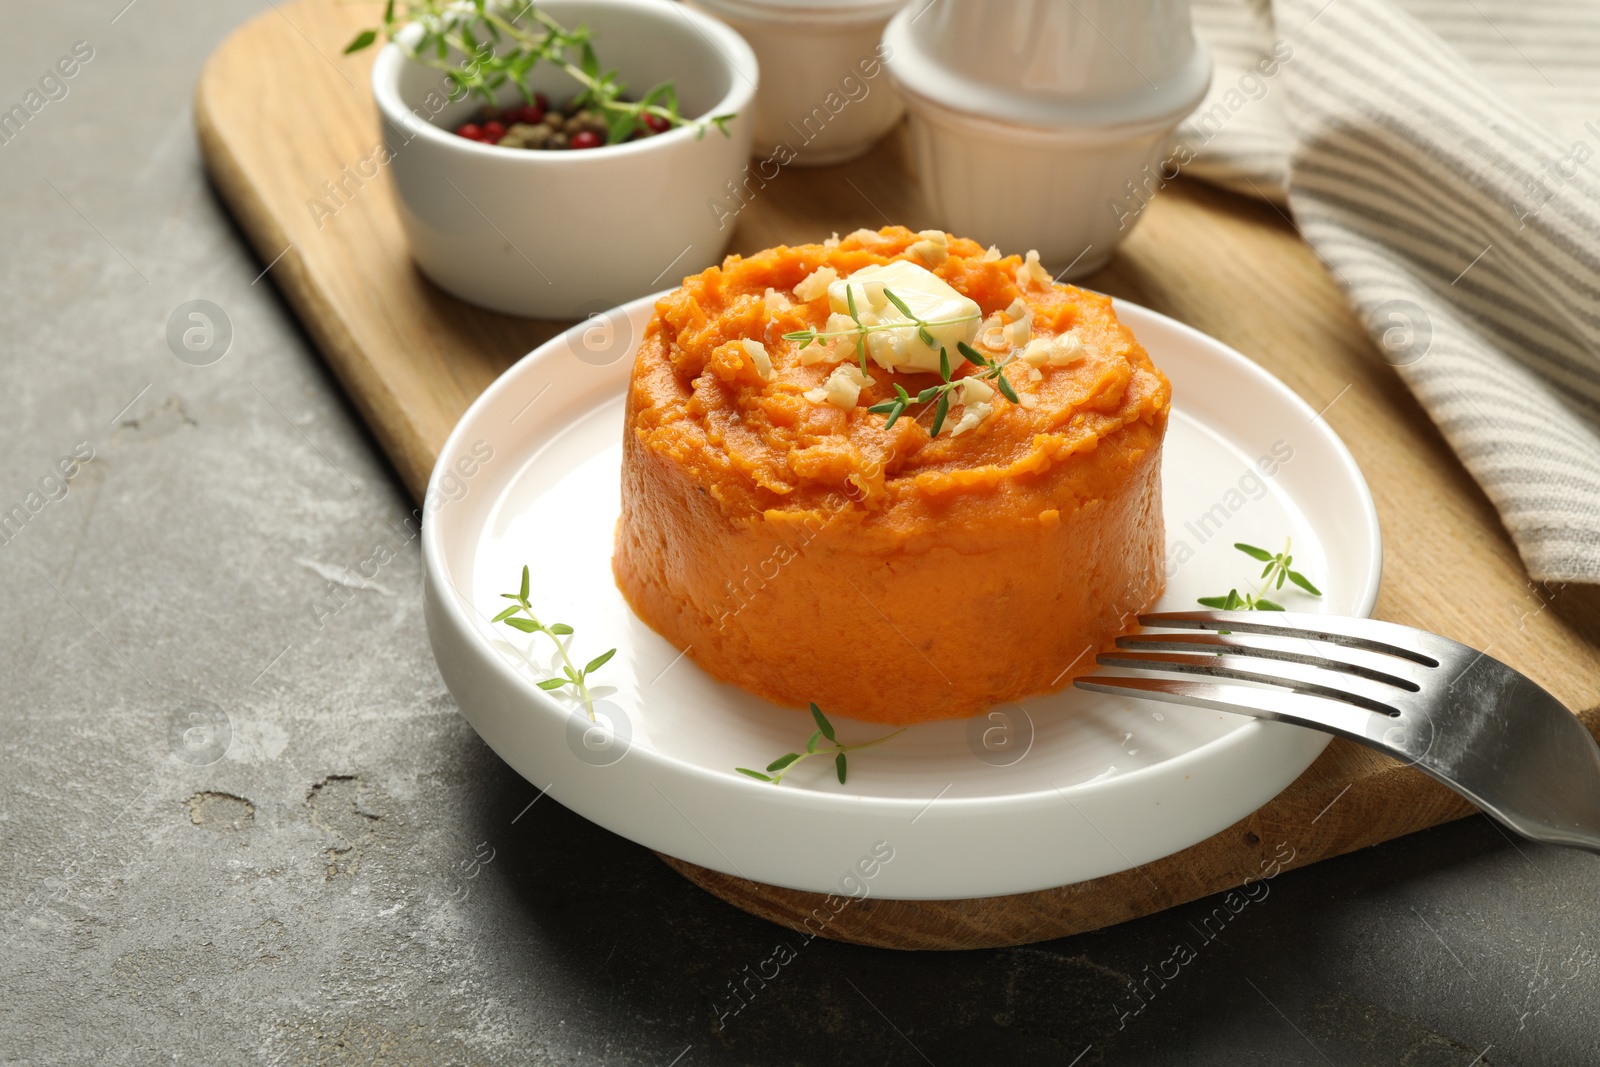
<point x="807" y="552"/>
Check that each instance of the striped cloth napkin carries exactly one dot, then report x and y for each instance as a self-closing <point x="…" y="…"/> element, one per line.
<point x="1443" y="159"/>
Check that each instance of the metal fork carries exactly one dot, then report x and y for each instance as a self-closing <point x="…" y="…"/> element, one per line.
<point x="1461" y="716"/>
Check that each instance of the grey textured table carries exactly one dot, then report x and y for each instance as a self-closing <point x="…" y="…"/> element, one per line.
<point x="243" y="822"/>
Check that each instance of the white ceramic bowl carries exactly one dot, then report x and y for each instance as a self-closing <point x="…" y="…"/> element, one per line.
<point x="824" y="97"/>
<point x="563" y="234"/>
<point x="1031" y="123"/>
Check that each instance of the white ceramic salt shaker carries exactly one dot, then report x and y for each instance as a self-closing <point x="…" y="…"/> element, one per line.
<point x="1031" y="119"/>
<point x="824" y="96"/>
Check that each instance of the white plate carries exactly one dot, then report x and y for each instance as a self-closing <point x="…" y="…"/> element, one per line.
<point x="1071" y="787"/>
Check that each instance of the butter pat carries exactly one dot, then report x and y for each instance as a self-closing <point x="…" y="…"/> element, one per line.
<point x="927" y="295"/>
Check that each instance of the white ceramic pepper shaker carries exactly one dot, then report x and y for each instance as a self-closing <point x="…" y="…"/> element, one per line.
<point x="1030" y="118"/>
<point x="824" y="96"/>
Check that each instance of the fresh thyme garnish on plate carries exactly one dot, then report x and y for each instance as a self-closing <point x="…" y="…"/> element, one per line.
<point x="502" y="51"/>
<point x="1236" y="601"/>
<point x="555" y="631"/>
<point x="1276" y="573"/>
<point x="1278" y="567"/>
<point x="861" y="329"/>
<point x="786" y="763"/>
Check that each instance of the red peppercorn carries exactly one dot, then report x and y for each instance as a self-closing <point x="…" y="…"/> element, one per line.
<point x="470" y="130"/>
<point x="657" y="124"/>
<point x="493" y="131"/>
<point x="586" y="139"/>
<point x="530" y="114"/>
<point x="541" y="101"/>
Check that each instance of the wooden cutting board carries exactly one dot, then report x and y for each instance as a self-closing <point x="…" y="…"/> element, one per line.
<point x="279" y="111"/>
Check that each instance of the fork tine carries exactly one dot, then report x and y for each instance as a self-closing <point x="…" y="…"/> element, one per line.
<point x="1300" y="677"/>
<point x="1403" y="674"/>
<point x="1370" y="634"/>
<point x="1337" y="717"/>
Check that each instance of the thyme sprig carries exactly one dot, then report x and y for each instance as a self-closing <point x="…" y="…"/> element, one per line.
<point x="1237" y="601"/>
<point x="787" y="762"/>
<point x="861" y="329"/>
<point x="1278" y="567"/>
<point x="499" y="50"/>
<point x="1276" y="572"/>
<point x="939" y="395"/>
<point x="571" y="675"/>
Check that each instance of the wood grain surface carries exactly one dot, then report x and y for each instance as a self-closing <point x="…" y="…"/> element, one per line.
<point x="279" y="111"/>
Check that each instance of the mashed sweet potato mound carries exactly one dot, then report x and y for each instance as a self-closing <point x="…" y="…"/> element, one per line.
<point x="804" y="552"/>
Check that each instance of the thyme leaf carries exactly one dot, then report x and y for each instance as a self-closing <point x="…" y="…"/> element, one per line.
<point x="1277" y="571"/>
<point x="570" y="675"/>
<point x="789" y="760"/>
